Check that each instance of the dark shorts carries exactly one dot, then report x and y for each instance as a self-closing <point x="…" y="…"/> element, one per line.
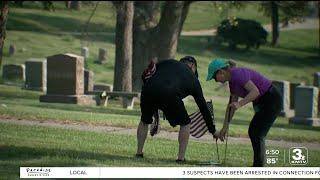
<point x="171" y="105"/>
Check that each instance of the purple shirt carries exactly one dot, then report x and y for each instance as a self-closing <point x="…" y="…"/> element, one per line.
<point x="240" y="76"/>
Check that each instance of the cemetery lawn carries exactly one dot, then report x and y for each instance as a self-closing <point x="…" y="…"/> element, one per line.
<point x="202" y="15"/>
<point x="32" y="146"/>
<point x="24" y="104"/>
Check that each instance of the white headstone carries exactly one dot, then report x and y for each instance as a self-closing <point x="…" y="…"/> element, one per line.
<point x="85" y="52"/>
<point x="306" y="106"/>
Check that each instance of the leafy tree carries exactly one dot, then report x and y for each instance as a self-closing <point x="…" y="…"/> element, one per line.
<point x="291" y="11"/>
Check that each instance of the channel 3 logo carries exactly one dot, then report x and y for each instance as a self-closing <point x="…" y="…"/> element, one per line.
<point x="298" y="156"/>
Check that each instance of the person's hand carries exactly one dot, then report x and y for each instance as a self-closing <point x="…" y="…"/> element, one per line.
<point x="216" y="135"/>
<point x="235" y="105"/>
<point x="222" y="134"/>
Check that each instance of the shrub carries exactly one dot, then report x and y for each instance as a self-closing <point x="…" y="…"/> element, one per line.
<point x="237" y="31"/>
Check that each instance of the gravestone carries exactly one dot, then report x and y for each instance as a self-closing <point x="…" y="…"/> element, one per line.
<point x="65" y="80"/>
<point x="292" y="92"/>
<point x="12" y="49"/>
<point x="85" y="52"/>
<point x="306" y="106"/>
<point x="102" y="56"/>
<point x="316" y="79"/>
<point x="88" y="81"/>
<point x="283" y="87"/>
<point x="36" y="74"/>
<point x="13" y="73"/>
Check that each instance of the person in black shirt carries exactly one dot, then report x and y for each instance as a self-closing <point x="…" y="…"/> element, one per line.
<point x="170" y="82"/>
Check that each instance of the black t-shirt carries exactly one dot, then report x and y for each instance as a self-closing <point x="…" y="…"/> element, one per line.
<point x="174" y="78"/>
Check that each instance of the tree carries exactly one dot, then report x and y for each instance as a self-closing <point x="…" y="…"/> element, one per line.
<point x="154" y="39"/>
<point x="4" y="5"/>
<point x="48" y="5"/>
<point x="76" y="5"/>
<point x="123" y="63"/>
<point x="290" y="10"/>
<point x="274" y="22"/>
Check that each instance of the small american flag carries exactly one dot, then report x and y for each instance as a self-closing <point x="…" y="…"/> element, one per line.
<point x="198" y="125"/>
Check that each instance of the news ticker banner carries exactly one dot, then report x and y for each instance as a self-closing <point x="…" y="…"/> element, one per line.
<point x="170" y="172"/>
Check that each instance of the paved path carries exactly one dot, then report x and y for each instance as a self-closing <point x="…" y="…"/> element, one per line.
<point x="162" y="134"/>
<point x="309" y="23"/>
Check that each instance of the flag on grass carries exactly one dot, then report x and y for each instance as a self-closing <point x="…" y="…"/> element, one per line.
<point x="198" y="125"/>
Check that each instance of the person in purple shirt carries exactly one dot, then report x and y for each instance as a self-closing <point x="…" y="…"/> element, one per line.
<point x="253" y="87"/>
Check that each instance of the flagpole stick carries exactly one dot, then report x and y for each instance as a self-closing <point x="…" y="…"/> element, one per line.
<point x="217" y="150"/>
<point x="227" y="134"/>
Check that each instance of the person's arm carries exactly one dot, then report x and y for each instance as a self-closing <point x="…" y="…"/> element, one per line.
<point x="252" y="95"/>
<point x="229" y="111"/>
<point x="201" y="102"/>
<point x="234" y="104"/>
<point x="228" y="116"/>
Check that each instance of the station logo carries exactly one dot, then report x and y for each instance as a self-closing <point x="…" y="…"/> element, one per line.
<point x="298" y="156"/>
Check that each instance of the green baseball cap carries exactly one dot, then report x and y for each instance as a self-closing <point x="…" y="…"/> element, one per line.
<point x="214" y="66"/>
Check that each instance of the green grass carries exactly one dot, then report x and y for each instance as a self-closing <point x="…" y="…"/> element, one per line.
<point x="41" y="34"/>
<point x="295" y="60"/>
<point x="202" y="15"/>
<point x="34" y="18"/>
<point x="38" y="146"/>
<point x="24" y="104"/>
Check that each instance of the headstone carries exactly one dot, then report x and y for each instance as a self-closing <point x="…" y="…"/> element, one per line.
<point x="12" y="49"/>
<point x="36" y="74"/>
<point x="316" y="79"/>
<point x="65" y="80"/>
<point x="88" y="81"/>
<point x="283" y="87"/>
<point x="306" y="106"/>
<point x="316" y="83"/>
<point x="13" y="73"/>
<point x="85" y="52"/>
<point x="292" y="92"/>
<point x="102" y="56"/>
<point x="103" y="87"/>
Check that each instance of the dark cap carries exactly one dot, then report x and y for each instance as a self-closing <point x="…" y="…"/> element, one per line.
<point x="190" y="59"/>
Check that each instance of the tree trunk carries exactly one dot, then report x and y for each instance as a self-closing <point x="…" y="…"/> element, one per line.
<point x="3" y="22"/>
<point x="169" y="27"/>
<point x="156" y="41"/>
<point x="274" y="22"/>
<point x="67" y="3"/>
<point x="185" y="12"/>
<point x="143" y="44"/>
<point x="123" y="63"/>
<point x="76" y="5"/>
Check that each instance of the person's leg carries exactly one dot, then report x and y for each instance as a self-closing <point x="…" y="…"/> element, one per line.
<point x="177" y="114"/>
<point x="183" y="140"/>
<point x="147" y="110"/>
<point x="142" y="133"/>
<point x="258" y="144"/>
<point x="258" y="129"/>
